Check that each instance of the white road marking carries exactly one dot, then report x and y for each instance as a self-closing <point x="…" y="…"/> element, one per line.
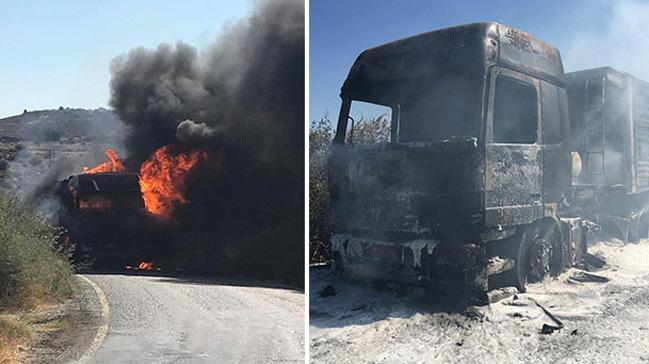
<point x="103" y="327"/>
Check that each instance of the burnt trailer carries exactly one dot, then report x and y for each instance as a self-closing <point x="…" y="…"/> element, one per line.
<point x="104" y="216"/>
<point x="609" y="117"/>
<point x="471" y="191"/>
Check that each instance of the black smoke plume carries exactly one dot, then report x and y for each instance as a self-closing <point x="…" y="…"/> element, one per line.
<point x="243" y="100"/>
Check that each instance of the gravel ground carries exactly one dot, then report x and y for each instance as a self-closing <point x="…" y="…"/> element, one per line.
<point x="604" y="322"/>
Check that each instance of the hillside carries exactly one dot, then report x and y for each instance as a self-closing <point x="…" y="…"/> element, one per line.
<point x="62" y="123"/>
<point x="42" y="146"/>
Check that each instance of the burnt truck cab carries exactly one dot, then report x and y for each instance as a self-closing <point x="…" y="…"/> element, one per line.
<point x="467" y="192"/>
<point x="609" y="117"/>
<point x="104" y="216"/>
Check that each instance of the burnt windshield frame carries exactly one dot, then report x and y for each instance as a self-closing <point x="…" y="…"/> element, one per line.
<point x="344" y="116"/>
<point x="450" y="108"/>
<point x="461" y="106"/>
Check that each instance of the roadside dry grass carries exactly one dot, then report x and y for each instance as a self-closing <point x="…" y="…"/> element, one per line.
<point x="14" y="332"/>
<point x="35" y="273"/>
<point x="46" y="327"/>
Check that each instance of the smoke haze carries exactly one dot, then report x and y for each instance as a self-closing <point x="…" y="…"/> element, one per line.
<point x="242" y="99"/>
<point x="618" y="41"/>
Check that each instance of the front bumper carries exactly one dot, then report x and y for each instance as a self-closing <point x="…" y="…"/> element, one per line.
<point x="459" y="268"/>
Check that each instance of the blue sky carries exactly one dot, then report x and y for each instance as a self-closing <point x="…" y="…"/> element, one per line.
<point x="588" y="33"/>
<point x="57" y="53"/>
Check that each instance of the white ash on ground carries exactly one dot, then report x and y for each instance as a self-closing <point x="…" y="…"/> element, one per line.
<point x="604" y="322"/>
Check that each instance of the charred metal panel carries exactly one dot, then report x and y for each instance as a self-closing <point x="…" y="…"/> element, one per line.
<point x="521" y="51"/>
<point x="434" y="190"/>
<point x="466" y="49"/>
<point x="513" y="184"/>
<point x="640" y="107"/>
<point x="602" y="127"/>
<point x="421" y="261"/>
<point x="556" y="173"/>
<point x="514" y="152"/>
<point x="609" y="115"/>
<point x="557" y="179"/>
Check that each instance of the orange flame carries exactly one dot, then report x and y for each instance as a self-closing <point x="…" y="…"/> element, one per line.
<point x="144" y="265"/>
<point x="162" y="179"/>
<point x="112" y="165"/>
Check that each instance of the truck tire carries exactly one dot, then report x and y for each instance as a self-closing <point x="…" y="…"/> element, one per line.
<point x="536" y="253"/>
<point x="517" y="276"/>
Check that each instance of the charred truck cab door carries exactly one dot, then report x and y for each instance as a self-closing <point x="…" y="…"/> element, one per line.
<point x="514" y="156"/>
<point x="557" y="178"/>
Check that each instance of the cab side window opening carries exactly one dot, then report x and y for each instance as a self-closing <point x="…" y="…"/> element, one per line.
<point x="514" y="115"/>
<point x="368" y="123"/>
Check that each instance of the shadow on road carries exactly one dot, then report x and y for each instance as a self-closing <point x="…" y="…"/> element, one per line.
<point x="182" y="277"/>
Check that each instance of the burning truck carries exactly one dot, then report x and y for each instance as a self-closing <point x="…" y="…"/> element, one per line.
<point x="116" y="218"/>
<point x="102" y="211"/>
<point x="481" y="185"/>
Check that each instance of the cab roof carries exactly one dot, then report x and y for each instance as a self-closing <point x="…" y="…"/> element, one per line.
<point x="470" y="48"/>
<point x="605" y="72"/>
<point x="106" y="182"/>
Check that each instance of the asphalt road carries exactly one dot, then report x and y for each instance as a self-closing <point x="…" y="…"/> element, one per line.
<point x="170" y="320"/>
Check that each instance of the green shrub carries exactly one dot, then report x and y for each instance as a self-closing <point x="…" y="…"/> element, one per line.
<point x="320" y="136"/>
<point x="33" y="268"/>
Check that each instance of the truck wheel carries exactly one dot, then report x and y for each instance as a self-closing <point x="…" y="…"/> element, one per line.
<point x="517" y="276"/>
<point x="539" y="257"/>
<point x="536" y="255"/>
